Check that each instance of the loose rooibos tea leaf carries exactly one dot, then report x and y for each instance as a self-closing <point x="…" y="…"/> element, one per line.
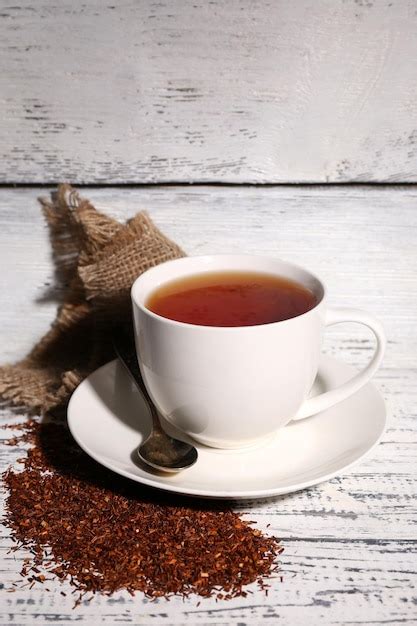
<point x="103" y="533"/>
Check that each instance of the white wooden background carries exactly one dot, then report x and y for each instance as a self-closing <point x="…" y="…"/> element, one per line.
<point x="350" y="544"/>
<point x="197" y="90"/>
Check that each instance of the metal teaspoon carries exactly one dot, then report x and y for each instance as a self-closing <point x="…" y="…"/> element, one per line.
<point x="159" y="450"/>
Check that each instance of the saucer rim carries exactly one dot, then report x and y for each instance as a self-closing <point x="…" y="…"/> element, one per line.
<point x="226" y="495"/>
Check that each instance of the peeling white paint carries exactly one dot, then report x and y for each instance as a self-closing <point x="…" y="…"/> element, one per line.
<point x="240" y="91"/>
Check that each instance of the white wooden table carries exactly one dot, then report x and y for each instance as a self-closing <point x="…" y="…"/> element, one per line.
<point x="230" y="91"/>
<point x="350" y="544"/>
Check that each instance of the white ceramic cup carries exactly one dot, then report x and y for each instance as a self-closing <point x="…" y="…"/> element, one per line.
<point x="228" y="387"/>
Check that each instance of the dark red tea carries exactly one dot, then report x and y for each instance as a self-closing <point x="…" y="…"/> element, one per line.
<point x="231" y="298"/>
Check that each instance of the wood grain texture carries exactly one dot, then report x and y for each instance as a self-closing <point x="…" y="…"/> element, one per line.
<point x="350" y="544"/>
<point x="239" y="91"/>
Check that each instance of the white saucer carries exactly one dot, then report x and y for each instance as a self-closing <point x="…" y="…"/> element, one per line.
<point x="108" y="418"/>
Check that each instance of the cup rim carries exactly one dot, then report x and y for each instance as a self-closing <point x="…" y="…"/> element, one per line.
<point x="202" y="257"/>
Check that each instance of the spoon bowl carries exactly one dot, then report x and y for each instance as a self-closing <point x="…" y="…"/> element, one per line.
<point x="166" y="453"/>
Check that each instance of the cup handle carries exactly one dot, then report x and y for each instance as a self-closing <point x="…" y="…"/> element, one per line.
<point x="325" y="400"/>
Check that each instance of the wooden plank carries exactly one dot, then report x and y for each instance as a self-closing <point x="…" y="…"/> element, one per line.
<point x="360" y="240"/>
<point x="237" y="91"/>
<point x="350" y="543"/>
<point x="324" y="583"/>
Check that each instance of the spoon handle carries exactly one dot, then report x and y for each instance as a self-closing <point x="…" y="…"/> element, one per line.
<point x="123" y="343"/>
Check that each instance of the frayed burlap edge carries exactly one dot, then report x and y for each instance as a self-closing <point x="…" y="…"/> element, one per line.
<point x="96" y="261"/>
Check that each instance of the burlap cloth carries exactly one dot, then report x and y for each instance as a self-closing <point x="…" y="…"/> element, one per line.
<point x="97" y="259"/>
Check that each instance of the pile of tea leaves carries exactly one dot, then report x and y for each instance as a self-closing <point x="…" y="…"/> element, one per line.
<point x="102" y="533"/>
